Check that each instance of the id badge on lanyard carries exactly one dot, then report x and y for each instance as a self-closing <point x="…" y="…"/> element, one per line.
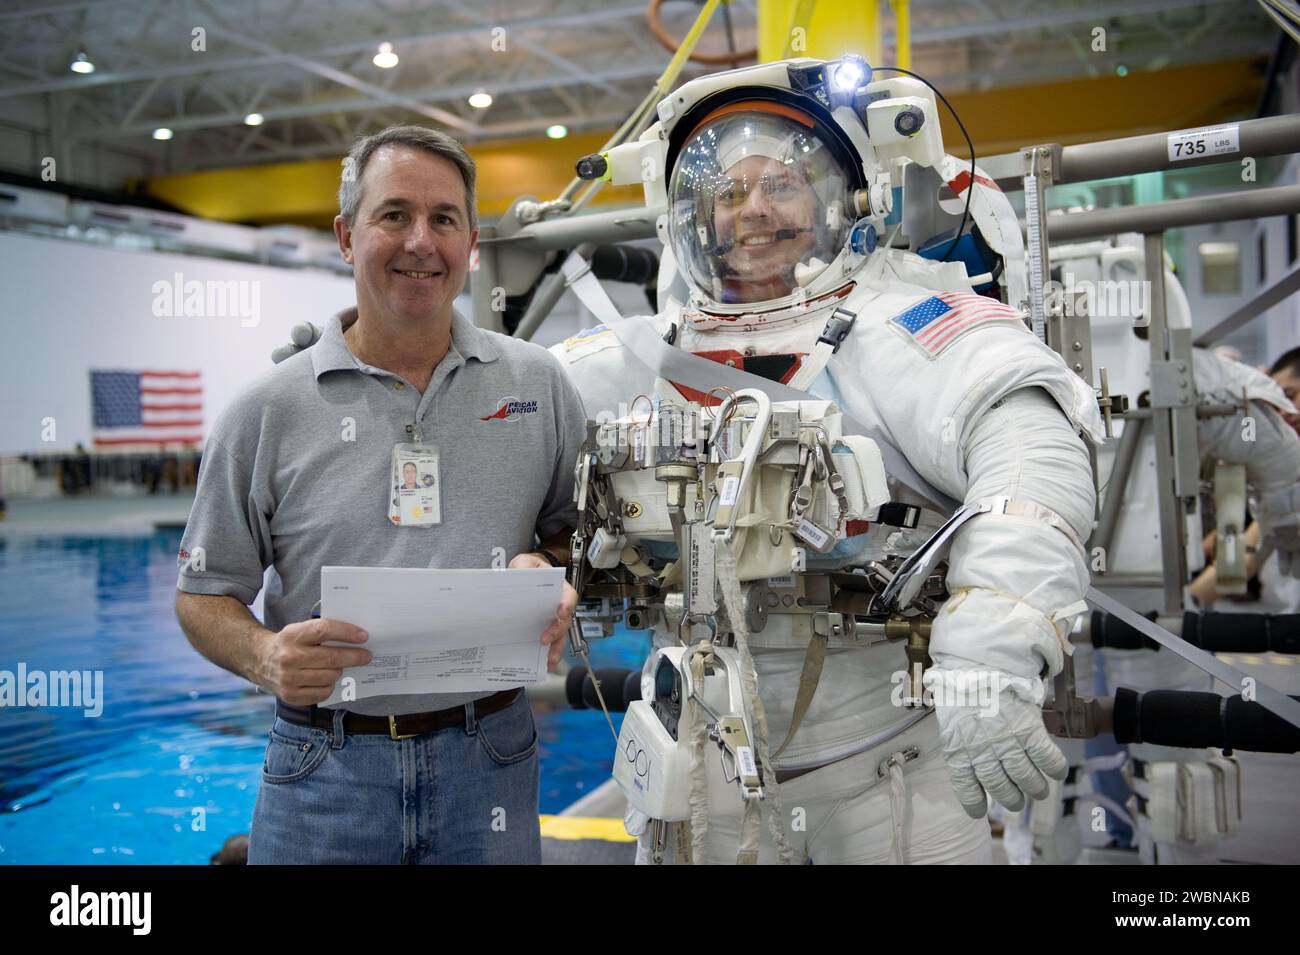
<point x="416" y="498"/>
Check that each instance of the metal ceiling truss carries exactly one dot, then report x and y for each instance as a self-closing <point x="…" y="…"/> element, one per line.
<point x="305" y="66"/>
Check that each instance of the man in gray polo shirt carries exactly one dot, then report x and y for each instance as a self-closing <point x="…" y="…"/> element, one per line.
<point x="309" y="467"/>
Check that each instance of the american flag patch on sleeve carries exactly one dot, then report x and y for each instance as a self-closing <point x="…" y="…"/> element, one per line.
<point x="941" y="319"/>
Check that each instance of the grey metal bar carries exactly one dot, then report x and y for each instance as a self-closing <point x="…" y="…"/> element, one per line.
<point x="1127" y="580"/>
<point x="1082" y="634"/>
<point x="1173" y="553"/>
<point x="620" y="225"/>
<point x="1202" y="411"/>
<point x="1174" y="214"/>
<point x="544" y="299"/>
<point x="1008" y="169"/>
<point x="1119" y="473"/>
<point x="484" y="281"/>
<point x="1071" y="337"/>
<point x="1187" y="448"/>
<point x="1269" y="136"/>
<point x="1279" y="290"/>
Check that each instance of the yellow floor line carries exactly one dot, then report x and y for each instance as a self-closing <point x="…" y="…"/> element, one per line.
<point x="1271" y="659"/>
<point x="584" y="827"/>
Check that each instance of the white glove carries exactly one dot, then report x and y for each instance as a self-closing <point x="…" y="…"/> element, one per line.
<point x="1000" y="748"/>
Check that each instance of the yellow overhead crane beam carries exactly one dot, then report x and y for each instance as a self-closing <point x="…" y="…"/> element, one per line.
<point x="788" y="28"/>
<point x="999" y="120"/>
<point x="828" y="30"/>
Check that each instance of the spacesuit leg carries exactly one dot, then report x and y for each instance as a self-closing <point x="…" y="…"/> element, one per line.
<point x="850" y="813"/>
<point x="912" y="814"/>
<point x="722" y="839"/>
<point x="1046" y="831"/>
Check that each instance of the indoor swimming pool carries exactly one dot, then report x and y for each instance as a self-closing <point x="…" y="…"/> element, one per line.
<point x="170" y="768"/>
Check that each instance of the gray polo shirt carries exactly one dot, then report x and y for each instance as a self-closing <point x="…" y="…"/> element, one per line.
<point x="296" y="473"/>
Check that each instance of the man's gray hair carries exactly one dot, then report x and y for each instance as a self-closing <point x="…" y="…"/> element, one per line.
<point x="413" y="137"/>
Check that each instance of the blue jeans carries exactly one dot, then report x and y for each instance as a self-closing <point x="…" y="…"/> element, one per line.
<point x="464" y="794"/>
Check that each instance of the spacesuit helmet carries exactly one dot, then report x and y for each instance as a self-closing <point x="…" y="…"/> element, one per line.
<point x="759" y="200"/>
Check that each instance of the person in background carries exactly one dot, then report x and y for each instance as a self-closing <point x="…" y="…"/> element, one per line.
<point x="1269" y="589"/>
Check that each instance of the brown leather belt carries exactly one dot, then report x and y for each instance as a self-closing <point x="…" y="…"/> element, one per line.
<point x="406" y="726"/>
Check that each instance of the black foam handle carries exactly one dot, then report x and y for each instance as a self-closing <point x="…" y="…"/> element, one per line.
<point x="1195" y="720"/>
<point x="1243" y="632"/>
<point x="625" y="263"/>
<point x="620" y="688"/>
<point x="1112" y="632"/>
<point x="1212" y="632"/>
<point x="573" y="687"/>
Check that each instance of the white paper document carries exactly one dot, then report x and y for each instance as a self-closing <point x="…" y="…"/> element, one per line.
<point x="442" y="631"/>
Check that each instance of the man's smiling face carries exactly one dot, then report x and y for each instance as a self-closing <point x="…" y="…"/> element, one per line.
<point x="410" y="241"/>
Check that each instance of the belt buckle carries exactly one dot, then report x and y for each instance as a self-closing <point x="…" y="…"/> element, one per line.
<point x="392" y="730"/>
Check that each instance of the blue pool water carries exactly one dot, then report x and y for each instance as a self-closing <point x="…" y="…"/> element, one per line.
<point x="171" y="767"/>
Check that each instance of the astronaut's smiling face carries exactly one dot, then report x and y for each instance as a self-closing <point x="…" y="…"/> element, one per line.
<point x="763" y="216"/>
<point x="757" y="198"/>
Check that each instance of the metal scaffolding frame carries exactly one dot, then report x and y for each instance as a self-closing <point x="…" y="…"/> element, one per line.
<point x="1173" y="412"/>
<point x="581" y="63"/>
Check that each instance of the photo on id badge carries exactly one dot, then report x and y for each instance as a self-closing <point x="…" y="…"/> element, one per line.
<point x="415" y="499"/>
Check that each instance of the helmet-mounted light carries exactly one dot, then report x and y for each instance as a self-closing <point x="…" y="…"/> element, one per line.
<point x="834" y="83"/>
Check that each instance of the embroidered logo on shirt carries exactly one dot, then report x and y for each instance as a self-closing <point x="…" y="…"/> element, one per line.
<point x="584" y="336"/>
<point x="940" y="319"/>
<point x="512" y="409"/>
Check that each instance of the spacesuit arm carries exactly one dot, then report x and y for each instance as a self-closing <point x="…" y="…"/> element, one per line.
<point x="993" y="413"/>
<point x="1016" y="581"/>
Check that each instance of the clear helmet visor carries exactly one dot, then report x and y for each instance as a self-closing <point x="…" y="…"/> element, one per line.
<point x="757" y="202"/>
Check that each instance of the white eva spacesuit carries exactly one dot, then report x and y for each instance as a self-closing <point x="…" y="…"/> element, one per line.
<point x="765" y="184"/>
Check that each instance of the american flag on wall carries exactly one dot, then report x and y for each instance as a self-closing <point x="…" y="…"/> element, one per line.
<point x="147" y="408"/>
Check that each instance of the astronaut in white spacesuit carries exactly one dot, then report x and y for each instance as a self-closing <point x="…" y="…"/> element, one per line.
<point x="774" y="197"/>
<point x="760" y="178"/>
